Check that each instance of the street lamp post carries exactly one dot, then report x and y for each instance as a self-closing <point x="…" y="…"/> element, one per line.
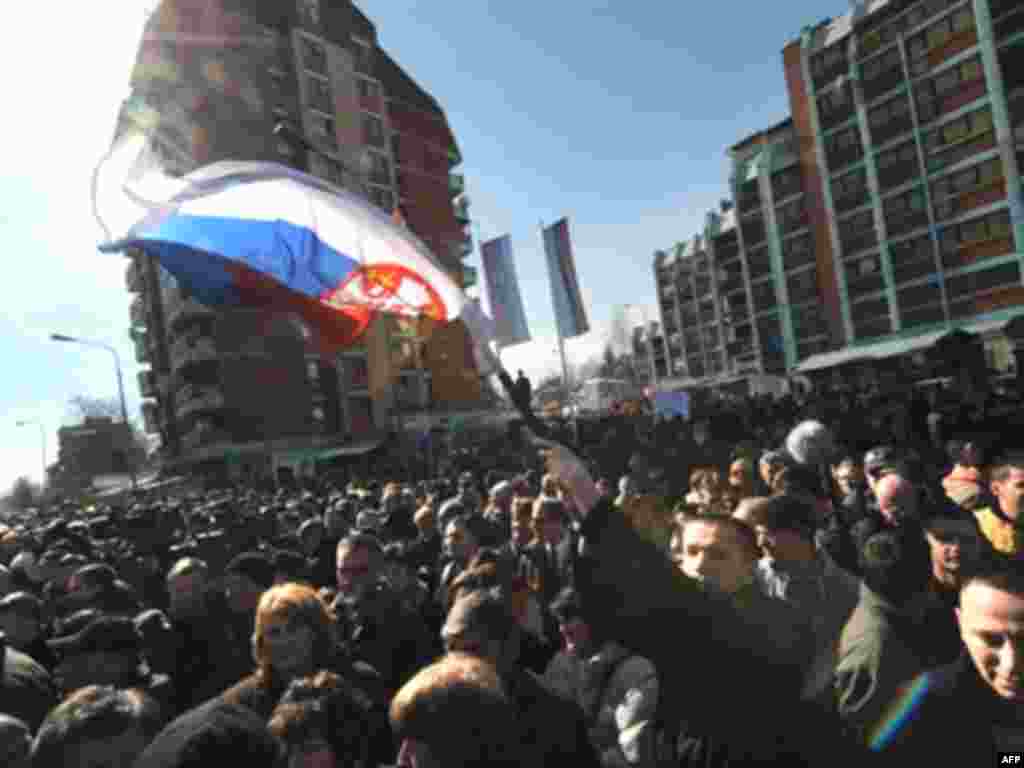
<point x="120" y="382"/>
<point x="42" y="442"/>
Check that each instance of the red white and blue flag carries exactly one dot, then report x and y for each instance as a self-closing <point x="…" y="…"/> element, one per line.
<point x="265" y="234"/>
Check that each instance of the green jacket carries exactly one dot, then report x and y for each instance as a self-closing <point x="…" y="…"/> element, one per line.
<point x="877" y="656"/>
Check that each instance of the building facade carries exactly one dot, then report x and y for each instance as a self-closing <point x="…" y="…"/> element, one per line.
<point x="886" y="211"/>
<point x="308" y="85"/>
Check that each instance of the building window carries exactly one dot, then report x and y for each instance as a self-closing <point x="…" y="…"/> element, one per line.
<point x="373" y="131"/>
<point x="320" y="95"/>
<point x="843" y="148"/>
<point x="976" y="177"/>
<point x="931" y="93"/>
<point x="369" y="90"/>
<point x="363" y="53"/>
<point x="850" y="191"/>
<point x="962" y="138"/>
<point x="905" y="212"/>
<point x="791" y="217"/>
<point x="314" y="57"/>
<point x="787" y="183"/>
<point x="797" y="252"/>
<point x="835" y="106"/>
<point x="380" y="172"/>
<point x="857" y="232"/>
<point x="992" y="228"/>
<point x="802" y="286"/>
<point x="890" y="119"/>
<point x="898" y="166"/>
<point x="323" y="129"/>
<point x="864" y="275"/>
<point x="962" y="289"/>
<point x="383" y="198"/>
<point x="912" y="259"/>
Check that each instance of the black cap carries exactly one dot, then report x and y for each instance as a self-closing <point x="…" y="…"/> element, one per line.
<point x="255" y="566"/>
<point x="105" y="634"/>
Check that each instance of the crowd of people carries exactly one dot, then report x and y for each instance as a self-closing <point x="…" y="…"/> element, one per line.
<point x="794" y="582"/>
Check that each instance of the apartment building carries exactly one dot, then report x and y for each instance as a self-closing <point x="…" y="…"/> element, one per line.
<point x="909" y="119"/>
<point x="308" y="85"/>
<point x="886" y="211"/>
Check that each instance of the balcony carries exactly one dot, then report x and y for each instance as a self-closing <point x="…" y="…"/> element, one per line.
<point x="138" y="312"/>
<point x="190" y="400"/>
<point x="1009" y="24"/>
<point x="203" y="435"/>
<point x="141" y="342"/>
<point x="183" y="353"/>
<point x="882" y="84"/>
<point x="178" y="309"/>
<point x="901" y="224"/>
<point x="456" y="184"/>
<point x="462" y="211"/>
<point x="147" y="383"/>
<point x="151" y="418"/>
<point x="133" y="276"/>
<point x="958" y="205"/>
<point x="754" y="231"/>
<point x="897" y="174"/>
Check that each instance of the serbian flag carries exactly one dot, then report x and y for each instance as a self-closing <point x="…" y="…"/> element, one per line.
<point x="264" y="234"/>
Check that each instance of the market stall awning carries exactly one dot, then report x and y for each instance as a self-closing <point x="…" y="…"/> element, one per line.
<point x="892" y="347"/>
<point x="352" y="449"/>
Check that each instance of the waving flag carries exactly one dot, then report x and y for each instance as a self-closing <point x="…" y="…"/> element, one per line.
<point x="264" y="234"/>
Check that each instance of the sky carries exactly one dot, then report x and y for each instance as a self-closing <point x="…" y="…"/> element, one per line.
<point x="615" y="114"/>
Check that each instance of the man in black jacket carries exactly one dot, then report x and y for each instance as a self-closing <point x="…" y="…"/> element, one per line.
<point x="697" y="644"/>
<point x="552" y="728"/>
<point x="964" y="713"/>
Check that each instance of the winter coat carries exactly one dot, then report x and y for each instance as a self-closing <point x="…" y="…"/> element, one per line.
<point x="879" y="651"/>
<point x="729" y="697"/>
<point x="618" y="693"/>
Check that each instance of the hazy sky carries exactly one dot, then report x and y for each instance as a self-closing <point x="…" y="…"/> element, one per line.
<point x="614" y="114"/>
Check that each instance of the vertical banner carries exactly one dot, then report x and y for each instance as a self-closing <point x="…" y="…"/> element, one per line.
<point x="503" y="292"/>
<point x="570" y="314"/>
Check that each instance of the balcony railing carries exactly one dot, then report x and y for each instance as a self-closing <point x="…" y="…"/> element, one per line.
<point x="882" y="84"/>
<point x="456" y="184"/>
<point x="133" y="276"/>
<point x="1008" y="25"/>
<point x="182" y="353"/>
<point x="177" y="309"/>
<point x="190" y="401"/>
<point x="139" y="315"/>
<point x="147" y="383"/>
<point x="141" y="341"/>
<point x="462" y="211"/>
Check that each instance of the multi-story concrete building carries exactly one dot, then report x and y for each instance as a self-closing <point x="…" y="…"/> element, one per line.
<point x="885" y="212"/>
<point x="306" y="84"/>
<point x="909" y="117"/>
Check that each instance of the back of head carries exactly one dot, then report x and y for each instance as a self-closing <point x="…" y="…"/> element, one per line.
<point x="93" y="715"/>
<point x="214" y="734"/>
<point x="460" y="710"/>
<point x="896" y="564"/>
